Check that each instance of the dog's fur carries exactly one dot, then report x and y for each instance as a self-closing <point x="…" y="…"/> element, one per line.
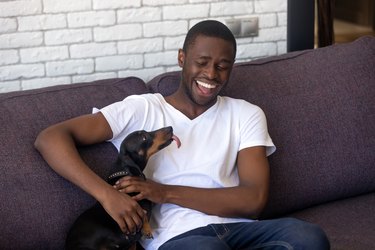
<point x="95" y="229"/>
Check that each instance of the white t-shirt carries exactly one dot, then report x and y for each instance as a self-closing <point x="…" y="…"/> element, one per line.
<point x="207" y="156"/>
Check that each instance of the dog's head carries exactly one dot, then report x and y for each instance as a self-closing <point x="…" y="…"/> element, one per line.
<point x="140" y="145"/>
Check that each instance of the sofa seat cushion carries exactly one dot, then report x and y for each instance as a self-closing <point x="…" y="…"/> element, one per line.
<point x="349" y="223"/>
<point x="37" y="205"/>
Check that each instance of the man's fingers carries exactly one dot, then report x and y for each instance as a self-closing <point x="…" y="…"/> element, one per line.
<point x="131" y="222"/>
<point x="138" y="197"/>
<point x="131" y="225"/>
<point x="122" y="224"/>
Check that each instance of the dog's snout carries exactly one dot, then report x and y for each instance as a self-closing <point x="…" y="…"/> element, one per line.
<point x="169" y="129"/>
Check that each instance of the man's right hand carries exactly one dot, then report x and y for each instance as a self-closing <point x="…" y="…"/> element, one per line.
<point x="128" y="214"/>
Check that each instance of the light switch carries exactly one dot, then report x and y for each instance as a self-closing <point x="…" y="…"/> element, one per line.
<point x="245" y="27"/>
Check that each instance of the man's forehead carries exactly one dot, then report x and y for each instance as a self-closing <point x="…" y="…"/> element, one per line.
<point x="203" y="38"/>
<point x="202" y="44"/>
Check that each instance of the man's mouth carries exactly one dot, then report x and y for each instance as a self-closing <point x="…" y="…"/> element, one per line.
<point x="206" y="88"/>
<point x="206" y="85"/>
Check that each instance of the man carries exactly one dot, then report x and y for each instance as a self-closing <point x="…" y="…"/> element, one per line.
<point x="209" y="191"/>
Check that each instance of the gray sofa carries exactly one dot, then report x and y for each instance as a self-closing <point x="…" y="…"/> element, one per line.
<point x="320" y="106"/>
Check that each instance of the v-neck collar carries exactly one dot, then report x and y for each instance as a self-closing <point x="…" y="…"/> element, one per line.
<point x="182" y="115"/>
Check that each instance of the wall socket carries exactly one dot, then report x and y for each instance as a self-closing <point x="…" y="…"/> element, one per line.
<point x="244" y="27"/>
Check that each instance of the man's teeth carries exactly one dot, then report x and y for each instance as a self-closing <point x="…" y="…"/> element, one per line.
<point x="206" y="85"/>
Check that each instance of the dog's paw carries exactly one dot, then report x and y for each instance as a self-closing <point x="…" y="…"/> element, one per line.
<point x="147" y="234"/>
<point x="146" y="230"/>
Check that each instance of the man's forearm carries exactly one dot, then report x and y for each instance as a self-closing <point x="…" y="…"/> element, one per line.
<point x="241" y="201"/>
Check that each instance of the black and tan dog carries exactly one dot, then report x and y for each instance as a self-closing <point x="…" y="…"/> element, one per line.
<point x="95" y="229"/>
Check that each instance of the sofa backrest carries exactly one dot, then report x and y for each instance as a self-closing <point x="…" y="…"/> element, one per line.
<point x="320" y="107"/>
<point x="37" y="205"/>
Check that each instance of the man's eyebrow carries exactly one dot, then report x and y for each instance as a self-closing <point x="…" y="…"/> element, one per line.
<point x="227" y="61"/>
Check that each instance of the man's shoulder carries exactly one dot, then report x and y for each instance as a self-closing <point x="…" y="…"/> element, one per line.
<point x="238" y="103"/>
<point x="146" y="97"/>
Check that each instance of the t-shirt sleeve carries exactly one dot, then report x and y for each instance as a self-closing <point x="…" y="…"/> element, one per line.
<point x="124" y="117"/>
<point x="253" y="128"/>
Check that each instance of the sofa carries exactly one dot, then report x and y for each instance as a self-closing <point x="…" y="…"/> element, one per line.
<point x="320" y="108"/>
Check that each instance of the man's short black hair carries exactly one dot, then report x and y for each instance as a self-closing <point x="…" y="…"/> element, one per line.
<point x="209" y="28"/>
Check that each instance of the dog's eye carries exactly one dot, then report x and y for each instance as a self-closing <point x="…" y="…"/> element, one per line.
<point x="144" y="138"/>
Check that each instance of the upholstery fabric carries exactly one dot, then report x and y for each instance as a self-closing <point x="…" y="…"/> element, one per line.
<point x="348" y="223"/>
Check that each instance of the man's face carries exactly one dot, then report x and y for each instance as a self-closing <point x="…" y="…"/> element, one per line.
<point x="206" y="67"/>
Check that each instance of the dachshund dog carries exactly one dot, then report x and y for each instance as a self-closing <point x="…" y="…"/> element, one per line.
<point x="94" y="228"/>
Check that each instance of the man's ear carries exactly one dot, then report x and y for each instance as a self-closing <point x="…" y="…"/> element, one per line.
<point x="181" y="57"/>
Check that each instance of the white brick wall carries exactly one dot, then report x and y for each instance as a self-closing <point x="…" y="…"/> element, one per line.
<point x="50" y="42"/>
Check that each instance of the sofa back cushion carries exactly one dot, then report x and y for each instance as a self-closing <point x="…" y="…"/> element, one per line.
<point x="320" y="107"/>
<point x="37" y="205"/>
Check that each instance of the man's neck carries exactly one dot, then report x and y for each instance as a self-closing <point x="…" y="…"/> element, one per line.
<point x="185" y="105"/>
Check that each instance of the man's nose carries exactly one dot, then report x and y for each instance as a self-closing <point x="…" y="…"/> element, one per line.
<point x="211" y="72"/>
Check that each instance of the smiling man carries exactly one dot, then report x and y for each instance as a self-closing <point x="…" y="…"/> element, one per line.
<point x="206" y="63"/>
<point x="207" y="193"/>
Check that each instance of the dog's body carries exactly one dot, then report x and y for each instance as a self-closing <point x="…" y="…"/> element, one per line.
<point x="95" y="229"/>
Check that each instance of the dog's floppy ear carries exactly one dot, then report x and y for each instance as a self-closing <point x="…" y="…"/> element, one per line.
<point x="126" y="162"/>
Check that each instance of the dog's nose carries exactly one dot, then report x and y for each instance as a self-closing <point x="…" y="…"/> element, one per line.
<point x="168" y="129"/>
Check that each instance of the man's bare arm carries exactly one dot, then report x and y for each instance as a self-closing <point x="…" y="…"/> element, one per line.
<point x="58" y="145"/>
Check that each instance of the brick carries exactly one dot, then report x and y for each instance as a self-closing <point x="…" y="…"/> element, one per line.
<point x="92" y="50"/>
<point x="8" y="86"/>
<point x="121" y="62"/>
<point x="172" y="68"/>
<point x="163" y="2"/>
<point x="140" y="46"/>
<point x="7" y="25"/>
<point x="188" y="11"/>
<point x="145" y="74"/>
<point x="231" y="8"/>
<point x="267" y="20"/>
<point x="160" y="59"/>
<point x="94" y="77"/>
<point x="168" y="28"/>
<point x="265" y="6"/>
<point x="43" y="54"/>
<point x="118" y="32"/>
<point x="20" y="8"/>
<point x="271" y="34"/>
<point x="44" y="82"/>
<point x="70" y="67"/>
<point x="8" y="57"/>
<point x="53" y="6"/>
<point x="68" y="36"/>
<point x="174" y="43"/>
<point x="281" y="47"/>
<point x="134" y="15"/>
<point x="13" y="72"/>
<point x="200" y="1"/>
<point x="256" y="50"/>
<point x="41" y="22"/>
<point x="282" y="19"/>
<point x="21" y="40"/>
<point x="91" y="18"/>
<point x="115" y="4"/>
